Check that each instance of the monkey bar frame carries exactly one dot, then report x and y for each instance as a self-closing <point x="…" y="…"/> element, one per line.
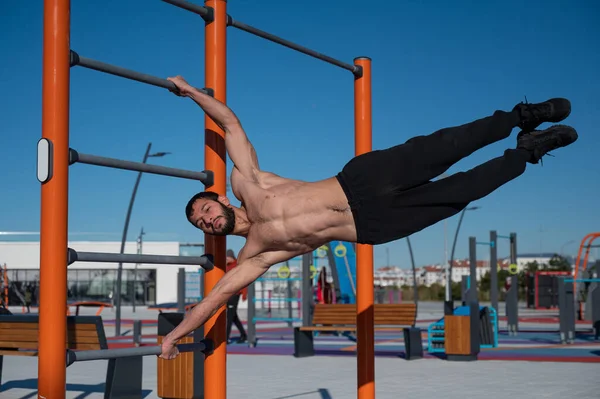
<point x="53" y="174"/>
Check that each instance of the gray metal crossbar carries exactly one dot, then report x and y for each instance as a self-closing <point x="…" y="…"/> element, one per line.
<point x="204" y="12"/>
<point x="355" y="69"/>
<point x="204" y="261"/>
<point x="207" y="14"/>
<point x="206" y="177"/>
<point x="102" y="354"/>
<point x="89" y="63"/>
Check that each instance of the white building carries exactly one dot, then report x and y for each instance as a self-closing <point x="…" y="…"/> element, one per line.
<point x="154" y="283"/>
<point x="462" y="268"/>
<point x="540" y="258"/>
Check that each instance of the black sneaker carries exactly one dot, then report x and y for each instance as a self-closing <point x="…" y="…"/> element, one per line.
<point x="540" y="142"/>
<point x="533" y="115"/>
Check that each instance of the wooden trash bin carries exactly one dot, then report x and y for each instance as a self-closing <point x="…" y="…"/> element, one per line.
<point x="182" y="377"/>
<point x="461" y="335"/>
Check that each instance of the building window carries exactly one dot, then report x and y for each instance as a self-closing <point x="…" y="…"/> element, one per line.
<point x="87" y="285"/>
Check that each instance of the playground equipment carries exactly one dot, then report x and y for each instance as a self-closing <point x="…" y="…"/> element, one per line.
<point x="512" y="296"/>
<point x="273" y="292"/>
<point x="488" y="331"/>
<point x="587" y="243"/>
<point x="278" y="296"/>
<point x="464" y="330"/>
<point x="342" y="262"/>
<point x="568" y="302"/>
<point x="54" y="159"/>
<point x="542" y="289"/>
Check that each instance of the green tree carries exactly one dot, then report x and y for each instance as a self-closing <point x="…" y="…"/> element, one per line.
<point x="485" y="283"/>
<point x="532" y="267"/>
<point x="559" y="264"/>
<point x="456" y="290"/>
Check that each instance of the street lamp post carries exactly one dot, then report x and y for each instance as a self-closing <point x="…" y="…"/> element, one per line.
<point x="449" y="266"/>
<point x="414" y="272"/>
<point x="124" y="237"/>
<point x="562" y="247"/>
<point x="139" y="251"/>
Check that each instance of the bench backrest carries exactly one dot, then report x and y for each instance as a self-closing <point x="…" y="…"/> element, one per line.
<point x="401" y="314"/>
<point x="21" y="332"/>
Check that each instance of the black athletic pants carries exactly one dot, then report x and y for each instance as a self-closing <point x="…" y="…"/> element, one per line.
<point x="232" y="316"/>
<point x="390" y="191"/>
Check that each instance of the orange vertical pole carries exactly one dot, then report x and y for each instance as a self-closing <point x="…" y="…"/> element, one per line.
<point x="215" y="366"/>
<point x="54" y="192"/>
<point x="591" y="237"/>
<point x="364" y="253"/>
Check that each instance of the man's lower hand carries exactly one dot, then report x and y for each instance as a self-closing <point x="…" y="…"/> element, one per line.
<point x="183" y="89"/>
<point x="169" y="350"/>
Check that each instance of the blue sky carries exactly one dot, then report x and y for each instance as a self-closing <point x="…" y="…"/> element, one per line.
<point x="435" y="64"/>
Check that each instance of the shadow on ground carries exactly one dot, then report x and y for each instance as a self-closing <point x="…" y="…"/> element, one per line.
<point x="85" y="389"/>
<point x="323" y="392"/>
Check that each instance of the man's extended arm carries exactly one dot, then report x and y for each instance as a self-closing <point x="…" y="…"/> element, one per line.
<point x="238" y="146"/>
<point x="233" y="281"/>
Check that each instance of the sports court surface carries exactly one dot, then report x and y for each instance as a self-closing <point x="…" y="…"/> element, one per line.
<point x="531" y="364"/>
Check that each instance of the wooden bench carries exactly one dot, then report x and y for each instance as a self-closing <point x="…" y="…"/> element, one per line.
<point x="19" y="337"/>
<point x="342" y="318"/>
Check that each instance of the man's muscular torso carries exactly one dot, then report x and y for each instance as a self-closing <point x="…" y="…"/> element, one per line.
<point x="290" y="215"/>
<point x="280" y="218"/>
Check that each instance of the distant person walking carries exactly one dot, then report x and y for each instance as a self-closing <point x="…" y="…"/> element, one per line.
<point x="28" y="298"/>
<point x="232" y="303"/>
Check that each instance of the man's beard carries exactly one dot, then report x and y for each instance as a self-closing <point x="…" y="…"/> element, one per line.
<point x="229" y="225"/>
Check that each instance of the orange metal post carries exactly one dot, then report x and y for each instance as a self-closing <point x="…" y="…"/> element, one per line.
<point x="54" y="212"/>
<point x="215" y="366"/>
<point x="364" y="253"/>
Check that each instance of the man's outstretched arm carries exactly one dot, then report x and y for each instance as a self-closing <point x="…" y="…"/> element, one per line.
<point x="238" y="146"/>
<point x="232" y="282"/>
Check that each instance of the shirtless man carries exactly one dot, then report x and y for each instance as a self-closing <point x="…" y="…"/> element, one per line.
<point x="378" y="197"/>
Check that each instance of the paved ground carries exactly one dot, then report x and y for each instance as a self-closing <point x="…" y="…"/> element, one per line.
<point x="269" y="371"/>
<point x="271" y="377"/>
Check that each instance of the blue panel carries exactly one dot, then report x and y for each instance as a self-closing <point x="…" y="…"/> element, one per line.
<point x="345" y="263"/>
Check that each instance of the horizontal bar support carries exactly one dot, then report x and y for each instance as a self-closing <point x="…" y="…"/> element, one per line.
<point x="204" y="12"/>
<point x="206" y="177"/>
<point x="279" y="279"/>
<point x="276" y="319"/>
<point x="355" y="69"/>
<point x="102" y="354"/>
<point x="582" y="280"/>
<point x="205" y="261"/>
<point x="89" y="63"/>
<point x="490" y="244"/>
<point x="277" y="299"/>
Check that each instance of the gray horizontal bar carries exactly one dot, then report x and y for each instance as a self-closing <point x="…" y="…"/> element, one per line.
<point x="102" y="354"/>
<point x="355" y="69"/>
<point x="205" y="177"/>
<point x="186" y="5"/>
<point x="205" y="261"/>
<point x="76" y="59"/>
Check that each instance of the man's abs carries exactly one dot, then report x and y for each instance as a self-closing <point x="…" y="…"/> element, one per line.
<point x="299" y="216"/>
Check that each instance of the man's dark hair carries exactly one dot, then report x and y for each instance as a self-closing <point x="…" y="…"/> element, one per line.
<point x="204" y="194"/>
